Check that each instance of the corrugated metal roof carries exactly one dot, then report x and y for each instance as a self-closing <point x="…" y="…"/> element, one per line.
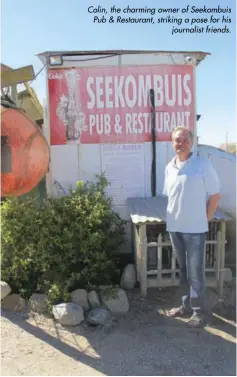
<point x="153" y="209"/>
<point x="199" y="55"/>
<point x="147" y="209"/>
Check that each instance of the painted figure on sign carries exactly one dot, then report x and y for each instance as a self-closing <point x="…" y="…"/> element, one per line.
<point x="69" y="108"/>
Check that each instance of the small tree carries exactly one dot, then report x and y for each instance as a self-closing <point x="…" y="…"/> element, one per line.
<point x="229" y="147"/>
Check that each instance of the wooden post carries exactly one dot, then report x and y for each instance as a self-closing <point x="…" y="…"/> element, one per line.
<point x="159" y="258"/>
<point x="222" y="261"/>
<point x="173" y="266"/>
<point x="14" y="93"/>
<point x="136" y="247"/>
<point x="143" y="266"/>
<point x="205" y="258"/>
<point x="139" y="254"/>
<point x="218" y="253"/>
<point x="210" y="246"/>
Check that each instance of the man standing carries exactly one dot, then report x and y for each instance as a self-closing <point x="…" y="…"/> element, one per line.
<point x="192" y="187"/>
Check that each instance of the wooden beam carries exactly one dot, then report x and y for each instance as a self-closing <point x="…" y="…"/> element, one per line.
<point x="34" y="99"/>
<point x="14" y="93"/>
<point x="17" y="76"/>
<point x="143" y="251"/>
<point x="222" y="262"/>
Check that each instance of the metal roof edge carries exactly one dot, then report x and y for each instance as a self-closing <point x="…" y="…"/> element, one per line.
<point x="200" y="55"/>
<point x="85" y="52"/>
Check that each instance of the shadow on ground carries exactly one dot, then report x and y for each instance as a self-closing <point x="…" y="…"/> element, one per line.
<point x="144" y="342"/>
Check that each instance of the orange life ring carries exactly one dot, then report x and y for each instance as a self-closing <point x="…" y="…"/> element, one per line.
<point x="25" y="153"/>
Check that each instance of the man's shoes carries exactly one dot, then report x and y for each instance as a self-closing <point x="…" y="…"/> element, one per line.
<point x="197" y="320"/>
<point x="181" y="311"/>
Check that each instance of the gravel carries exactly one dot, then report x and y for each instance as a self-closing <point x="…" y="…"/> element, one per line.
<point x="142" y="342"/>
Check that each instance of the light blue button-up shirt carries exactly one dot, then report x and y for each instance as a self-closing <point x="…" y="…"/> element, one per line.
<point x="188" y="189"/>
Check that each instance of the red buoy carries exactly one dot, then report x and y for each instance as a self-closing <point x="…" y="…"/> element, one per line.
<point x="24" y="154"/>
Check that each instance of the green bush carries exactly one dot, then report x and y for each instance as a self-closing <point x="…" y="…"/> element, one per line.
<point x="68" y="240"/>
<point x="56" y="294"/>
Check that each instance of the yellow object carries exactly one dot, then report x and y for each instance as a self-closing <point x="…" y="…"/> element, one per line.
<point x="28" y="101"/>
<point x="17" y="76"/>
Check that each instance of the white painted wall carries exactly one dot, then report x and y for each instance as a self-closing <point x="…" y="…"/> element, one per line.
<point x="64" y="166"/>
<point x="71" y="163"/>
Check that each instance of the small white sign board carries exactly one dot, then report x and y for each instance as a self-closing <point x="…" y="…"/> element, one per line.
<point x="124" y="167"/>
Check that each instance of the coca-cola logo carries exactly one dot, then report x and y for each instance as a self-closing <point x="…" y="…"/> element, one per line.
<point x="56" y="76"/>
<point x="60" y="76"/>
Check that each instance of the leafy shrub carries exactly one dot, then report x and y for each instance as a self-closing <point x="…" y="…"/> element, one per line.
<point x="20" y="233"/>
<point x="56" y="294"/>
<point x="65" y="241"/>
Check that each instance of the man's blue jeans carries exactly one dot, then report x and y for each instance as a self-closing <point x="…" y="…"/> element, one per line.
<point x="189" y="249"/>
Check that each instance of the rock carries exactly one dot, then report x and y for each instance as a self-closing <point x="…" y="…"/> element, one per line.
<point x="227" y="275"/>
<point x="98" y="316"/>
<point x="94" y="299"/>
<point x="68" y="314"/>
<point x="80" y="297"/>
<point x="14" y="303"/>
<point x="129" y="277"/>
<point x="37" y="303"/>
<point x="5" y="289"/>
<point x="115" y="300"/>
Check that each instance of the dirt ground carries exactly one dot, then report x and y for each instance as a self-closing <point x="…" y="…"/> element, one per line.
<point x="143" y="342"/>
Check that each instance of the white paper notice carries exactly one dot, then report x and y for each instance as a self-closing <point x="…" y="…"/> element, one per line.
<point x="123" y="165"/>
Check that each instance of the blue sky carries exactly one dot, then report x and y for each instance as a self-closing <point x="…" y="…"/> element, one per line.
<point x="30" y="27"/>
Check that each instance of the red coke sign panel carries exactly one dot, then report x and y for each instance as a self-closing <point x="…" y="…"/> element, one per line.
<point x="112" y="104"/>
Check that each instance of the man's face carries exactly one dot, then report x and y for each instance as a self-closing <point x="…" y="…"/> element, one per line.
<point x="181" y="142"/>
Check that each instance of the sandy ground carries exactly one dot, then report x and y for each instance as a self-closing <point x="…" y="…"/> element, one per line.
<point x="144" y="342"/>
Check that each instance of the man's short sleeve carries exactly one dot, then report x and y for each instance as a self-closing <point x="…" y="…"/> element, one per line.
<point x="211" y="179"/>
